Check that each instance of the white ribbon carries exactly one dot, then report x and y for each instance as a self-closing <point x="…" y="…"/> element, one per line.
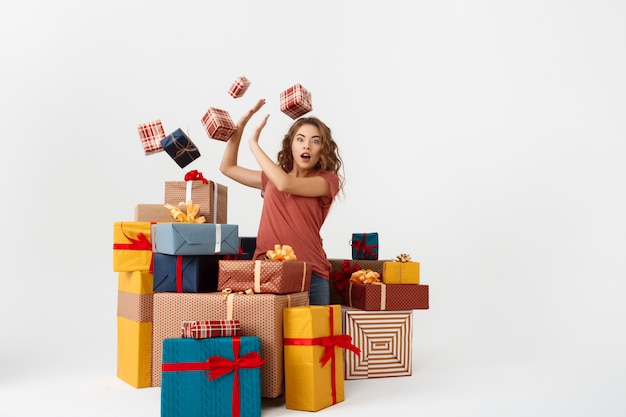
<point x="218" y="238"/>
<point x="188" y="190"/>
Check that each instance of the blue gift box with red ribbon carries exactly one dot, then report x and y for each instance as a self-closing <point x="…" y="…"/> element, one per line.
<point x="364" y="246"/>
<point x="185" y="273"/>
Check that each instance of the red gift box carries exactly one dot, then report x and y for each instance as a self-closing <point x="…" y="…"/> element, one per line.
<point x="239" y="87"/>
<point x="295" y="101"/>
<point x="204" y="329"/>
<point x="218" y="124"/>
<point x="151" y="135"/>
<point x="274" y="277"/>
<point x="387" y="296"/>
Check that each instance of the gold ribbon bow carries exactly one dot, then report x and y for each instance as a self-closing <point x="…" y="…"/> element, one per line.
<point x="403" y="257"/>
<point x="186" y="212"/>
<point x="365" y="276"/>
<point x="281" y="253"/>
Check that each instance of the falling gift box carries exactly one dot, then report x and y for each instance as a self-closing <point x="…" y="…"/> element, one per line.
<point x="364" y="246"/>
<point x="209" y="195"/>
<point x="195" y="239"/>
<point x="387" y="296"/>
<point x="341" y="271"/>
<point x="275" y="277"/>
<point x="132" y="246"/>
<point x="384" y="339"/>
<point x="218" y="124"/>
<point x="239" y="87"/>
<point x="397" y="272"/>
<point x="314" y="343"/>
<point x="182" y="150"/>
<point x="296" y="101"/>
<point x="185" y="273"/>
<point x="259" y="314"/>
<point x="217" y="377"/>
<point x="134" y="328"/>
<point x="151" y="135"/>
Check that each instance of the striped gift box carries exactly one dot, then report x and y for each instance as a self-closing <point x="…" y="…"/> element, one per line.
<point x="296" y="101"/>
<point x="218" y="124"/>
<point x="151" y="135"/>
<point x="204" y="329"/>
<point x="384" y="339"/>
<point x="239" y="87"/>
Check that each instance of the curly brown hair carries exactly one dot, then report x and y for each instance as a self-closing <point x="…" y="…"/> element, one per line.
<point x="330" y="159"/>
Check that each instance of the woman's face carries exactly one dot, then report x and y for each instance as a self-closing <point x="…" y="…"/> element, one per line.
<point x="306" y="147"/>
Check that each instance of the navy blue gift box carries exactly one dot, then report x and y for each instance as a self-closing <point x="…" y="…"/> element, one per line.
<point x="185" y="273"/>
<point x="182" y="150"/>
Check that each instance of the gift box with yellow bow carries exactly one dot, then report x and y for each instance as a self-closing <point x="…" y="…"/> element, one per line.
<point x="402" y="270"/>
<point x="258" y="314"/>
<point x="211" y="197"/>
<point x="341" y="271"/>
<point x="274" y="277"/>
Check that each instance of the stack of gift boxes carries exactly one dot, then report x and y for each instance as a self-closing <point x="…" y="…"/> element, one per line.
<point x="198" y="317"/>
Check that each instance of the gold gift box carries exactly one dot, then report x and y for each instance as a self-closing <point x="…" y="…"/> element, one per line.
<point x="401" y="272"/>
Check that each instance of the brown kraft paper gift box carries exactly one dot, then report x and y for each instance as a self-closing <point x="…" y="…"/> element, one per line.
<point x="259" y="315"/>
<point x="153" y="213"/>
<point x="212" y="198"/>
<point x="274" y="277"/>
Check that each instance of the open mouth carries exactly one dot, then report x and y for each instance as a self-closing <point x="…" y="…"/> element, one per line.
<point x="305" y="157"/>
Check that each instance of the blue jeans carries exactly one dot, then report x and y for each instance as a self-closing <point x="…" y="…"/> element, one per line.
<point x="319" y="293"/>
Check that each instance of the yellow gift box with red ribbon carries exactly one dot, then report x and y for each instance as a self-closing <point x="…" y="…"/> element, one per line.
<point x="313" y="352"/>
<point x="132" y="247"/>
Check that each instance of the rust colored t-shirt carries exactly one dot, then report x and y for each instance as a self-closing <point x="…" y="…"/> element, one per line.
<point x="293" y="220"/>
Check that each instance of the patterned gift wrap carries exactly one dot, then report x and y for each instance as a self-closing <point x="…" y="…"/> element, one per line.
<point x="209" y="195"/>
<point x="296" y="101"/>
<point x="182" y="150"/>
<point x="259" y="314"/>
<point x="132" y="246"/>
<point x="239" y="87"/>
<point x="211" y="377"/>
<point x="153" y="213"/>
<point x="387" y="296"/>
<point x="384" y="339"/>
<point x="218" y="124"/>
<point x="204" y="329"/>
<point x="314" y="343"/>
<point x="134" y="328"/>
<point x="275" y="277"/>
<point x="342" y="269"/>
<point x="364" y="246"/>
<point x="195" y="239"/>
<point x="401" y="272"/>
<point x="185" y="273"/>
<point x="151" y="135"/>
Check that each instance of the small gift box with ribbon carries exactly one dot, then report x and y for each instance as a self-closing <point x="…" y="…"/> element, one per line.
<point x="204" y="329"/>
<point x="185" y="273"/>
<point x="296" y="101"/>
<point x="314" y="343"/>
<point x="239" y="87"/>
<point x="134" y="328"/>
<point x="341" y="273"/>
<point x="401" y="271"/>
<point x="196" y="375"/>
<point x="151" y="135"/>
<point x="132" y="247"/>
<point x="218" y="124"/>
<point x="211" y="197"/>
<point x="364" y="246"/>
<point x="182" y="150"/>
<point x="274" y="277"/>
<point x="195" y="239"/>
<point x="379" y="296"/>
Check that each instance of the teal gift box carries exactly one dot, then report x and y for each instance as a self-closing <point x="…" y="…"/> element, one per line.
<point x="214" y="377"/>
<point x="364" y="246"/>
<point x="182" y="150"/>
<point x="195" y="239"/>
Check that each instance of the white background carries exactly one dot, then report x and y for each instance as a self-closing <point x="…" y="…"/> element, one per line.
<point x="484" y="138"/>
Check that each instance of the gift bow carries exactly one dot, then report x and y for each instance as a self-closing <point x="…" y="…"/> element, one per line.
<point x="186" y="212"/>
<point x="281" y="253"/>
<point x="403" y="257"/>
<point x="342" y="278"/>
<point x="194" y="174"/>
<point x="343" y="341"/>
<point x="365" y="276"/>
<point x="361" y="247"/>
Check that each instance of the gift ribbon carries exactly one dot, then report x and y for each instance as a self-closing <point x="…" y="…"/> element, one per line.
<point x="218" y="238"/>
<point x="141" y="243"/>
<point x="342" y="278"/>
<point x="329" y="343"/>
<point x="383" y="294"/>
<point x="257" y="276"/>
<point x="218" y="366"/>
<point x="183" y="149"/>
<point x="179" y="273"/>
<point x="233" y="257"/>
<point x="195" y="175"/>
<point x="363" y="249"/>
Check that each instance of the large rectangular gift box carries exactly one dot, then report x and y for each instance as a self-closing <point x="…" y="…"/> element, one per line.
<point x="364" y="245"/>
<point x="153" y="213"/>
<point x="275" y="277"/>
<point x="195" y="239"/>
<point x="387" y="296"/>
<point x="132" y="246"/>
<point x="342" y="269"/>
<point x="185" y="273"/>
<point x="384" y="339"/>
<point x="180" y="148"/>
<point x="209" y="195"/>
<point x="134" y="328"/>
<point x="217" y="377"/>
<point x="259" y="315"/>
<point x="395" y="272"/>
<point x="314" y="343"/>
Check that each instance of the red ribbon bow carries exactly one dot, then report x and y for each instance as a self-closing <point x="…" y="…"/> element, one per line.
<point x="141" y="243"/>
<point x="194" y="174"/>
<point x="341" y="279"/>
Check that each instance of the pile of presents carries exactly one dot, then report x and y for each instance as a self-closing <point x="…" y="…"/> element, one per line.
<point x="219" y="331"/>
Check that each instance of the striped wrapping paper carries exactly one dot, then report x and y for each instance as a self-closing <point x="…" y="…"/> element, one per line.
<point x="384" y="338"/>
<point x="239" y="87"/>
<point x="204" y="329"/>
<point x="296" y="101"/>
<point x="151" y="135"/>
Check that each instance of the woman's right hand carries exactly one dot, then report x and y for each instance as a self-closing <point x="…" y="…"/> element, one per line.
<point x="243" y="121"/>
